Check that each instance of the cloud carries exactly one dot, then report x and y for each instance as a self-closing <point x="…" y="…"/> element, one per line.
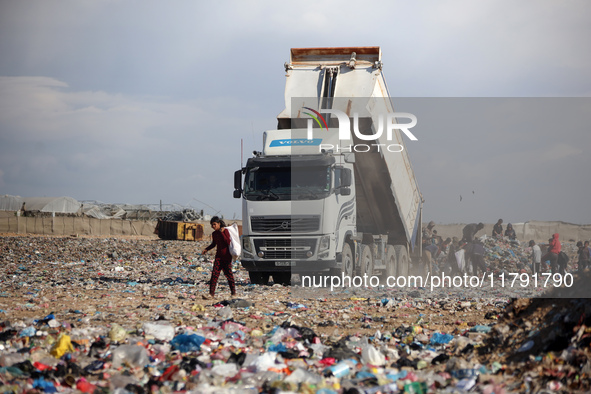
<point x="114" y="147"/>
<point x="146" y="102"/>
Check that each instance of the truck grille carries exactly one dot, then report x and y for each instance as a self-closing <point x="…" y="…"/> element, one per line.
<point x="285" y="248"/>
<point x="285" y="224"/>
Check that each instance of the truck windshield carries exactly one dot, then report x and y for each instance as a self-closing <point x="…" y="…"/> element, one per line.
<point x="287" y="183"/>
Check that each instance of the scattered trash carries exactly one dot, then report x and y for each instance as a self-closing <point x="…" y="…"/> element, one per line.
<point x="98" y="315"/>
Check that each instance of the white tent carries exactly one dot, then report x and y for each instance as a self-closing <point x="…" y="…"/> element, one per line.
<point x="51" y="204"/>
<point x="10" y="203"/>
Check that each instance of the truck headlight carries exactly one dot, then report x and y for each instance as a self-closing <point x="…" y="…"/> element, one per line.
<point x="246" y="245"/>
<point x="324" y="243"/>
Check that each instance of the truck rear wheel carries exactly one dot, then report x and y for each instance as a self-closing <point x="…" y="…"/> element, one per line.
<point x="258" y="278"/>
<point x="366" y="261"/>
<point x="402" y="260"/>
<point x="391" y="263"/>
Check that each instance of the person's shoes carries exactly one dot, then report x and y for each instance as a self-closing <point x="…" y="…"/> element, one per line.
<point x="207" y="297"/>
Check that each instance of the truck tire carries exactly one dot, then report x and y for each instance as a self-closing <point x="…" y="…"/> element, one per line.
<point x="391" y="263"/>
<point x="348" y="263"/>
<point x="366" y="261"/>
<point x="283" y="278"/>
<point x="402" y="260"/>
<point x="258" y="278"/>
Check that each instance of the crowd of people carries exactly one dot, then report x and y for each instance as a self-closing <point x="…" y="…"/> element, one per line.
<point x="472" y="251"/>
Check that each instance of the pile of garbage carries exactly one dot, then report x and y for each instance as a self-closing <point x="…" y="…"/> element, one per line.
<point x="512" y="256"/>
<point x="186" y="215"/>
<point x="545" y="343"/>
<point x="115" y="315"/>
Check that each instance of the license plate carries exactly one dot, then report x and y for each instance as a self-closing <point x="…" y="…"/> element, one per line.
<point x="285" y="264"/>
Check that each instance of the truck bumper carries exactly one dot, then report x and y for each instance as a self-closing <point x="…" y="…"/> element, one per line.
<point x="289" y="266"/>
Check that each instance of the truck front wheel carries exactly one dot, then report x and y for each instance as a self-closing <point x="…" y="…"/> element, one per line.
<point x="283" y="278"/>
<point x="258" y="278"/>
<point x="348" y="261"/>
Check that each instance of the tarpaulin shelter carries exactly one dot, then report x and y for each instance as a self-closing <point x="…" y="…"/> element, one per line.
<point x="41" y="204"/>
<point x="10" y="203"/>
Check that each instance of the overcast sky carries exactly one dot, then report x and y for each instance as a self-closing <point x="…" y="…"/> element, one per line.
<point x="142" y="101"/>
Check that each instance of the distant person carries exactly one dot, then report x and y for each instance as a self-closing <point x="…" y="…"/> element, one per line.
<point x="536" y="257"/>
<point x="442" y="247"/>
<point x="428" y="243"/>
<point x="436" y="239"/>
<point x="551" y="255"/>
<point x="470" y="230"/>
<point x="429" y="234"/>
<point x="584" y="255"/>
<point x="223" y="259"/>
<point x="452" y="261"/>
<point x="477" y="258"/>
<point x="498" y="229"/>
<point x="23" y="210"/>
<point x="510" y="232"/>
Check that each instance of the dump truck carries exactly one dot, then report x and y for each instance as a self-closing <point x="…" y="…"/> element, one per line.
<point x="333" y="191"/>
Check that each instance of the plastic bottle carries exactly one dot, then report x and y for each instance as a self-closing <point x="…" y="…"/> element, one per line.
<point x="341" y="369"/>
<point x="416" y="388"/>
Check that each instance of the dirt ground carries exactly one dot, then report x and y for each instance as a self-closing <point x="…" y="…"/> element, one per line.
<point x="90" y="283"/>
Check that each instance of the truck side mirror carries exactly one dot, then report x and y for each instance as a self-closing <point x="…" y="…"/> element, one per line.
<point x="345" y="191"/>
<point x="238" y="184"/>
<point x="346" y="178"/>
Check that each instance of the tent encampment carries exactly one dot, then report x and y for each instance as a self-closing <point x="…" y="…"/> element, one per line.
<point x="41" y="204"/>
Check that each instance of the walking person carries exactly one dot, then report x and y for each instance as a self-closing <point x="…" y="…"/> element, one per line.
<point x="223" y="258"/>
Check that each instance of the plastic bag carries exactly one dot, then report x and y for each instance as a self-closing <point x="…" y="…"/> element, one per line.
<point x="235" y="247"/>
<point x="460" y="258"/>
<point x="187" y="343"/>
<point x="63" y="346"/>
<point x="132" y="355"/>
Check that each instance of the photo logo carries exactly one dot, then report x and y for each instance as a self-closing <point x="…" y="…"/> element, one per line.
<point x="316" y="119"/>
<point x="387" y="123"/>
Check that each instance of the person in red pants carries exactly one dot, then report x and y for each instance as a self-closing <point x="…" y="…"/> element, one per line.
<point x="223" y="258"/>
